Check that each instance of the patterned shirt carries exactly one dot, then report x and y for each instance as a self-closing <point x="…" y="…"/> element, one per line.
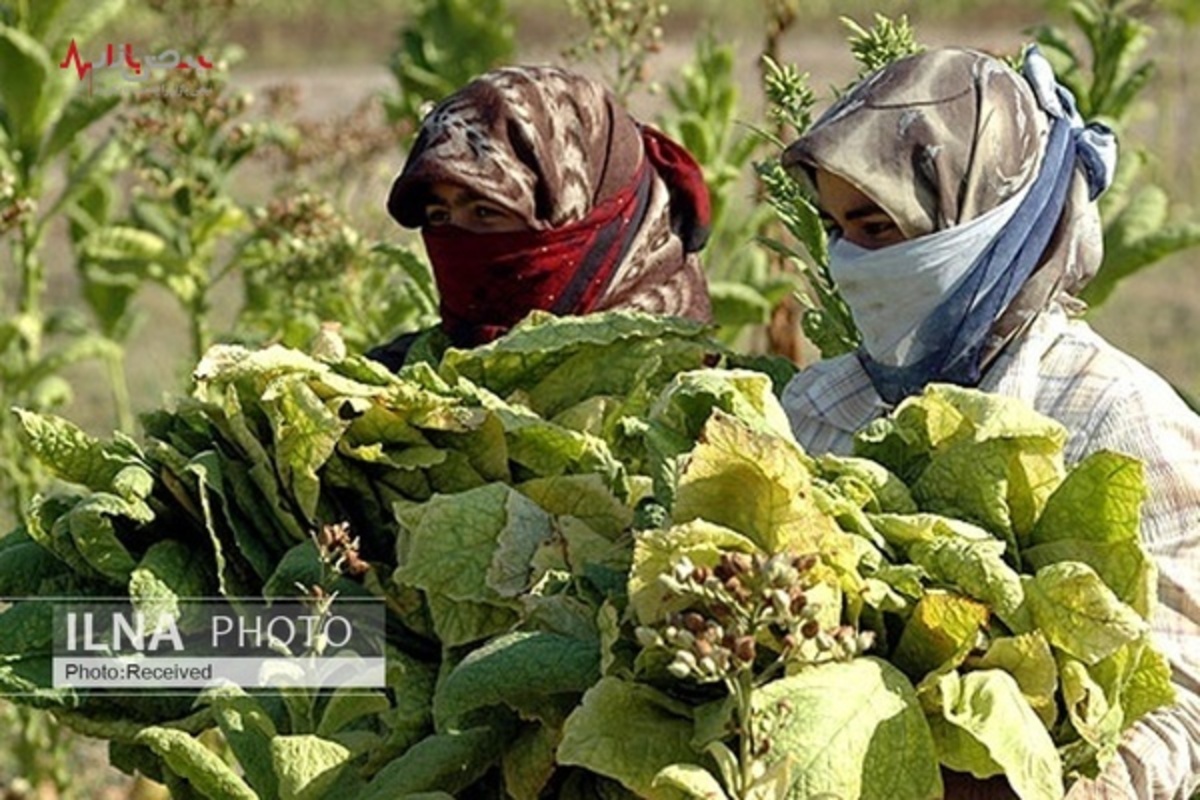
<point x="1107" y="401"/>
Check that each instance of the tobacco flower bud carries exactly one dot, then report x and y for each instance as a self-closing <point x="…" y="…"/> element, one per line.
<point x="683" y="664"/>
<point x="804" y="563"/>
<point x="798" y="601"/>
<point x="683" y="569"/>
<point x="647" y="636"/>
<point x="781" y="602"/>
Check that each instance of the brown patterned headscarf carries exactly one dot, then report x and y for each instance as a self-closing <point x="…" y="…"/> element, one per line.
<point x="938" y="139"/>
<point x="615" y="202"/>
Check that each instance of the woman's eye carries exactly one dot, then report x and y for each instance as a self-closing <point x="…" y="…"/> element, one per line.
<point x="877" y="229"/>
<point x="486" y="212"/>
<point x="831" y="228"/>
<point x="437" y="216"/>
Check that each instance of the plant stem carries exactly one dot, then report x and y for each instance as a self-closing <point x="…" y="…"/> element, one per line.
<point x="33" y="286"/>
<point x="122" y="405"/>
<point x="201" y="332"/>
<point x="743" y="691"/>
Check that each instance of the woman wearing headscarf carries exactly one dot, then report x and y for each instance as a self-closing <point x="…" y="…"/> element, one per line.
<point x="961" y="202"/>
<point x="534" y="189"/>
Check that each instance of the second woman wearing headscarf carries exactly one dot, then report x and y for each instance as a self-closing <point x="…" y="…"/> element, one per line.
<point x="961" y="199"/>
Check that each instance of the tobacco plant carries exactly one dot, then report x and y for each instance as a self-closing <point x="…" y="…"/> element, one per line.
<point x="1108" y="76"/>
<point x="333" y="275"/>
<point x="443" y="45"/>
<point x="43" y="111"/>
<point x="704" y="115"/>
<point x="626" y="31"/>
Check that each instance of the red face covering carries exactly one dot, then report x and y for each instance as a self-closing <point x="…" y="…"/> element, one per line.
<point x="489" y="281"/>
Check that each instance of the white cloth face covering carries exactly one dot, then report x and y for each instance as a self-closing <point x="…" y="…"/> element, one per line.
<point x="892" y="290"/>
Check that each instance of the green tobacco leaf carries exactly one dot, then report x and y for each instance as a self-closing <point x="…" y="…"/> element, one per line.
<point x="756" y="484"/>
<point x="692" y="780"/>
<point x="26" y="630"/>
<point x="557" y="362"/>
<point x="1100" y="500"/>
<point x="987" y="727"/>
<point x="1094" y="518"/>
<point x="516" y="669"/>
<point x="578" y="549"/>
<point x="200" y="767"/>
<point x="955" y="554"/>
<point x="627" y="732"/>
<point x="1000" y="484"/>
<point x="27" y="72"/>
<point x="459" y="622"/>
<point x="411" y="683"/>
<point x="307" y="766"/>
<point x="449" y="762"/>
<point x="300" y="564"/>
<point x="91" y="528"/>
<point x="1078" y="613"/>
<point x="528" y="764"/>
<point x="852" y="729"/>
<point x="738" y="304"/>
<point x="546" y="449"/>
<point x="944" y="418"/>
<point x="249" y="731"/>
<point x="1094" y="715"/>
<point x="471" y="549"/>
<point x="258" y="534"/>
<point x="1029" y="660"/>
<point x="1105" y="698"/>
<point x="1123" y="566"/>
<point x="124" y="248"/>
<point x="306" y="433"/>
<point x="265" y="505"/>
<point x="1010" y="457"/>
<point x="205" y="468"/>
<point x="24" y="564"/>
<point x="80" y="113"/>
<point x="585" y="497"/>
<point x="655" y="552"/>
<point x="49" y="526"/>
<point x="685" y="405"/>
<point x="889" y="495"/>
<point x="167" y="571"/>
<point x="526" y="527"/>
<point x="347" y="706"/>
<point x="76" y="457"/>
<point x="1139" y="676"/>
<point x="943" y="626"/>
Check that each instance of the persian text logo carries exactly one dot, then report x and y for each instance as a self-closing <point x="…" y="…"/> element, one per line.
<point x="132" y="67"/>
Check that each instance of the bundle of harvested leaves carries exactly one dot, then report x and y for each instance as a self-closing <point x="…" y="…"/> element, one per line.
<point x="608" y="568"/>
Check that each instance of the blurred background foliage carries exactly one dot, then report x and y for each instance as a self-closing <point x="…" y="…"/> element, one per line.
<point x="138" y="226"/>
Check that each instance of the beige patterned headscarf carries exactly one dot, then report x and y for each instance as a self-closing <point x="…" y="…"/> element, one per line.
<point x="550" y="146"/>
<point x="939" y="138"/>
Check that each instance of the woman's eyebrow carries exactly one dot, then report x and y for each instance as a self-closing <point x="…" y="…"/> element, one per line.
<point x="868" y="209"/>
<point x="865" y="210"/>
